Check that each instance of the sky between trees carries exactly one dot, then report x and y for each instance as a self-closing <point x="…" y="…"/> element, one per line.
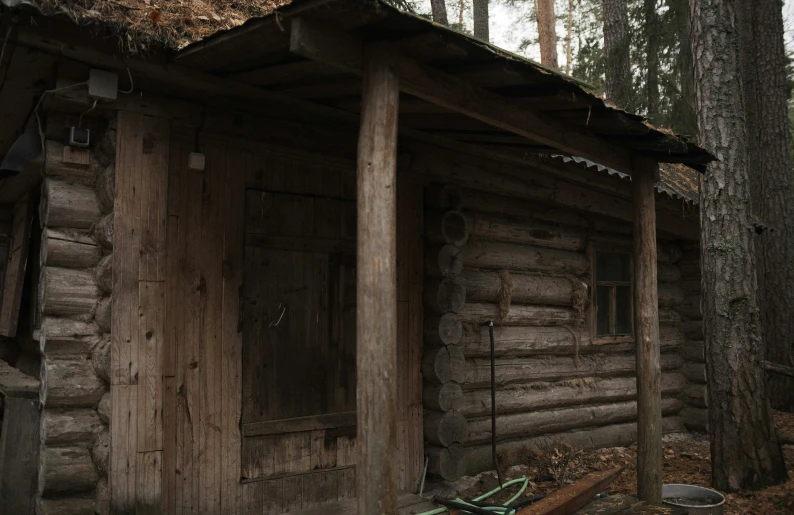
<point x="509" y="25"/>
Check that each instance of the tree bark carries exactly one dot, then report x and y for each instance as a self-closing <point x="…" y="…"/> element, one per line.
<point x="569" y="38"/>
<point x="547" y="33"/>
<point x="480" y="15"/>
<point x="745" y="451"/>
<point x="439" y="9"/>
<point x="771" y="187"/>
<point x="652" y="28"/>
<point x="617" y="87"/>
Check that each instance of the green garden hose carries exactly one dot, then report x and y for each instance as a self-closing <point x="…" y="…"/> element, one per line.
<point x="498" y="510"/>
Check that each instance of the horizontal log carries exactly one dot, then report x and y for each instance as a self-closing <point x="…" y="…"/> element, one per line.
<point x="63" y="291"/>
<point x="445" y="295"/>
<point x="442" y="397"/>
<point x="65" y="336"/>
<point x="668" y="273"/>
<point x="669" y="316"/>
<point x="103" y="274"/>
<point x="690" y="309"/>
<point x="544" y="369"/>
<point x="696" y="419"/>
<point x="670" y="295"/>
<point x="693" y="329"/>
<point x="520" y="425"/>
<point x="486" y="202"/>
<point x="531" y="341"/>
<point x="442" y="330"/>
<point x="441" y="365"/>
<point x="690" y="266"/>
<point x="447" y="228"/>
<point x="457" y="461"/>
<point x="487" y="286"/>
<point x="69" y="163"/>
<point x="62" y="249"/>
<point x="486" y="226"/>
<point x="519" y="314"/>
<point x="691" y="286"/>
<point x="445" y="462"/>
<point x="69" y="382"/>
<point x="577" y="392"/>
<point x="443" y="196"/>
<point x="696" y="395"/>
<point x="100" y="358"/>
<point x="103" y="231"/>
<point x="65" y="470"/>
<point x="445" y="428"/>
<point x="694" y="351"/>
<point x="69" y="506"/>
<point x="100" y="452"/>
<point x="512" y="256"/>
<point x="442" y="260"/>
<point x="68" y="205"/>
<point x="70" y="426"/>
<point x="106" y="188"/>
<point x="695" y="372"/>
<point x="102" y="317"/>
<point x="776" y="368"/>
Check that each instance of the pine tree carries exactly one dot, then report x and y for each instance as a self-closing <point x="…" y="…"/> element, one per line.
<point x="772" y="184"/>
<point x="547" y="33"/>
<point x="745" y="451"/>
<point x="439" y="8"/>
<point x="480" y="15"/>
<point x="617" y="48"/>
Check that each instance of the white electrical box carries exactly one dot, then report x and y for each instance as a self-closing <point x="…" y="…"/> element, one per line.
<point x="102" y="84"/>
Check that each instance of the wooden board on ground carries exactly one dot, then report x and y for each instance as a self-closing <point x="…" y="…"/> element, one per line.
<point x="570" y="499"/>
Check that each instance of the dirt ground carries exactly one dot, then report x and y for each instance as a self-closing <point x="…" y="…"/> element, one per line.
<point x="686" y="460"/>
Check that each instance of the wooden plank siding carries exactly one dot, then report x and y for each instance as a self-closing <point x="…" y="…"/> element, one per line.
<point x="138" y="329"/>
<point x="176" y="374"/>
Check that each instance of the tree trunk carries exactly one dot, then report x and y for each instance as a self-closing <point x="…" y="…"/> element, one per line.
<point x="547" y="33"/>
<point x="771" y="188"/>
<point x="480" y="15"/>
<point x="652" y="28"/>
<point x="617" y="87"/>
<point x="568" y="38"/>
<point x="745" y="451"/>
<point x="439" y="8"/>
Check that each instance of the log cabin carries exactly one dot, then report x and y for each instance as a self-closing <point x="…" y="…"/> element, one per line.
<point x="257" y="274"/>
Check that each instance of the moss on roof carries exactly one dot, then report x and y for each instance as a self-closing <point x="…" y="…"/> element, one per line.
<point x="146" y="24"/>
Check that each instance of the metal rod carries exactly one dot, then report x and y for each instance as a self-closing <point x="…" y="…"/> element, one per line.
<point x="493" y="407"/>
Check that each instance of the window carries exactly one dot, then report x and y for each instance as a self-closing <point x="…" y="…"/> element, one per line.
<point x="612" y="299"/>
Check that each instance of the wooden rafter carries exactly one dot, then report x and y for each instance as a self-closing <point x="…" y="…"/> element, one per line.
<point x="346" y="51"/>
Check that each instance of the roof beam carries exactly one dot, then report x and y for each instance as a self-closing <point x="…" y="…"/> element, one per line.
<point x="346" y="51"/>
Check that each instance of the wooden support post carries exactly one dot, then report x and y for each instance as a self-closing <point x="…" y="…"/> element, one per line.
<point x="646" y="333"/>
<point x="376" y="471"/>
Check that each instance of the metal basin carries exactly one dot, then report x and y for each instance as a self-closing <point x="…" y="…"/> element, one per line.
<point x="696" y="499"/>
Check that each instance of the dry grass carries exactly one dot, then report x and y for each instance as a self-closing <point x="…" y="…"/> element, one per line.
<point x="147" y="24"/>
<point x="686" y="460"/>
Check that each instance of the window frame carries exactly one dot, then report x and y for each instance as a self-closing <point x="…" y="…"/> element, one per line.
<point x="610" y="248"/>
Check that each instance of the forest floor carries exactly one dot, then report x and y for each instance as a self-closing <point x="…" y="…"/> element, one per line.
<point x="686" y="460"/>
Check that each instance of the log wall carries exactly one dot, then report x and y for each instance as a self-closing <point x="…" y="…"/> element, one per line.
<point x="695" y="415"/>
<point x="72" y="324"/>
<point x="526" y="267"/>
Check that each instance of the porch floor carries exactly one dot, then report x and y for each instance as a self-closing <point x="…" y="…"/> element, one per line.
<point x="407" y="504"/>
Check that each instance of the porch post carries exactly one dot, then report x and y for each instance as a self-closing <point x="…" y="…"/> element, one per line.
<point x="376" y="333"/>
<point x="646" y="333"/>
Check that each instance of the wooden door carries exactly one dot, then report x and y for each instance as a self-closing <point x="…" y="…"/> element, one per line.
<point x="298" y="322"/>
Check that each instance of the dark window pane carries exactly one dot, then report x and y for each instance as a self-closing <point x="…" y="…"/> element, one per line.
<point x="622" y="310"/>
<point x="602" y="310"/>
<point x="612" y="267"/>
